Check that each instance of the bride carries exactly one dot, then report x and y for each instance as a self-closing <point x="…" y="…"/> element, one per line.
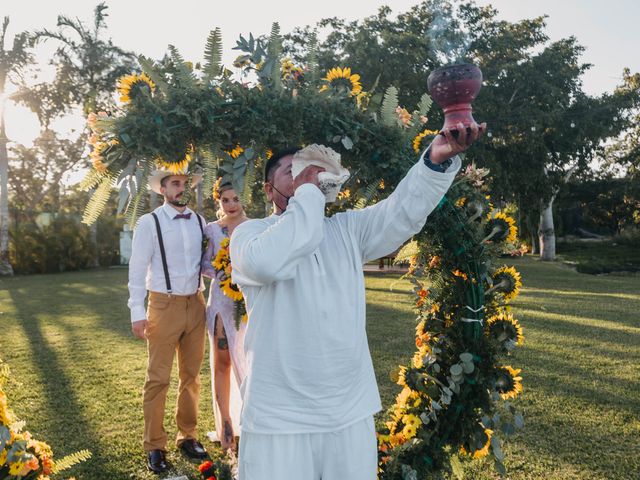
<point x="226" y="329"/>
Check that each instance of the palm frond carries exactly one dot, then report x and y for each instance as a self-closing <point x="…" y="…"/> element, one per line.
<point x="99" y="17"/>
<point x="98" y="200"/>
<point x="213" y="55"/>
<point x="5" y="25"/>
<point x="388" y="109"/>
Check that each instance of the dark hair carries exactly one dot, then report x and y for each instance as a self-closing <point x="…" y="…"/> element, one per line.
<point x="274" y="161"/>
<point x="163" y="181"/>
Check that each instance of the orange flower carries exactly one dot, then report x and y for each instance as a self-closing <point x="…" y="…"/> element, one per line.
<point x="461" y="274"/>
<point x="434" y="262"/>
<point x="205" y="466"/>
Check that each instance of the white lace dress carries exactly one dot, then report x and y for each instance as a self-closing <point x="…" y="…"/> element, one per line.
<point x="222" y="306"/>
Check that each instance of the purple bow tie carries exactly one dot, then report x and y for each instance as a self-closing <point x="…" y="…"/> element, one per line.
<point x="186" y="216"/>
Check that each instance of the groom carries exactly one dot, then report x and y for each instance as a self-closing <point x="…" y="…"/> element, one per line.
<point x="165" y="261"/>
<point x="310" y="392"/>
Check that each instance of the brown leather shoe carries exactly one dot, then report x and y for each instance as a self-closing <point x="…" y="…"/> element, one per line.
<point x="157" y="461"/>
<point x="193" y="449"/>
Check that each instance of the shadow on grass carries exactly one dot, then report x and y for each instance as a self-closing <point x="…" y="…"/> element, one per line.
<point x="60" y="398"/>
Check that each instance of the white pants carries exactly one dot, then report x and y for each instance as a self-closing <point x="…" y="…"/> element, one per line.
<point x="347" y="454"/>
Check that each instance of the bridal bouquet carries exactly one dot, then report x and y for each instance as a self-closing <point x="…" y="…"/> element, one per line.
<point x="222" y="264"/>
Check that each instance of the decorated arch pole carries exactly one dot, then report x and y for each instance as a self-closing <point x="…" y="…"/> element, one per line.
<point x="456" y="389"/>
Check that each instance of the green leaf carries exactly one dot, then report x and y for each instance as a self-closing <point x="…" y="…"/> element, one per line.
<point x="347" y="142"/>
<point x="500" y="468"/>
<point x="388" y="110"/>
<point x="153" y="72"/>
<point x="213" y="55"/>
<point x="466" y="357"/>
<point x="518" y="420"/>
<point x="456" y="467"/>
<point x="123" y="196"/>
<point x="495" y="447"/>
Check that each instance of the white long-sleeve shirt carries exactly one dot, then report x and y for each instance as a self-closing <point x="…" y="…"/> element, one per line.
<point x="309" y="366"/>
<point x="183" y="247"/>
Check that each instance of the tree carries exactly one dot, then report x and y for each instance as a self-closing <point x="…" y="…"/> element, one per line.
<point x="12" y="63"/>
<point x="88" y="67"/>
<point x="544" y="128"/>
<point x="37" y="173"/>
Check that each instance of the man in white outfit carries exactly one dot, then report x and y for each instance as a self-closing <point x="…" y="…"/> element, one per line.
<point x="310" y="392"/>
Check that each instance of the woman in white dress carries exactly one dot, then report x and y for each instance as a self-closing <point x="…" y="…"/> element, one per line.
<point x="226" y="334"/>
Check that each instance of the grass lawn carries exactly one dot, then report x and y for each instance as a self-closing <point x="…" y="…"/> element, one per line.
<point x="77" y="372"/>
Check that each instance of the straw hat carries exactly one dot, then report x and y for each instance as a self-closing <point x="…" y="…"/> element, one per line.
<point x="156" y="177"/>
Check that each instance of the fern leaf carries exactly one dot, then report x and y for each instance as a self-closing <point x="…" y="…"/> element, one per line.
<point x="312" y="58"/>
<point x="176" y="57"/>
<point x="388" y="109"/>
<point x="98" y="200"/>
<point x="367" y="196"/>
<point x="423" y="108"/>
<point x="213" y="55"/>
<point x="425" y="104"/>
<point x="210" y="170"/>
<point x="407" y="251"/>
<point x="249" y="181"/>
<point x="151" y="69"/>
<point x="69" y="461"/>
<point x="93" y="178"/>
<point x="274" y="52"/>
<point x="184" y="75"/>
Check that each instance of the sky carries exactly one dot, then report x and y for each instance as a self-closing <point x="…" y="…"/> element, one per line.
<point x="608" y="31"/>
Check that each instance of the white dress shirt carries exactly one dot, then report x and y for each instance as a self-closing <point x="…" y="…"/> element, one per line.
<point x="308" y="363"/>
<point x="183" y="247"/>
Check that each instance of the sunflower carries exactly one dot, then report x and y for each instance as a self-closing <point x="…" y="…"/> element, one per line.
<point x="97" y="154"/>
<point x="409" y="431"/>
<point x="505" y="329"/>
<point x="221" y="260"/>
<point x="501" y="228"/>
<point x="216" y="189"/>
<point x="483" y="438"/>
<point x="412" y="420"/>
<point x="342" y="78"/>
<point x="231" y="290"/>
<point x="507" y="280"/>
<point x="235" y="151"/>
<point x="508" y="382"/>
<point x="130" y="85"/>
<point x="417" y="142"/>
<point x="179" y="167"/>
<point x="268" y="153"/>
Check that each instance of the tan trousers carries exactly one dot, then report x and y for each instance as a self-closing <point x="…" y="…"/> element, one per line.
<point x="175" y="323"/>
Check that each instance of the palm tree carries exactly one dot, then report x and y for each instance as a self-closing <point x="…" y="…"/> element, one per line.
<point x="12" y="63"/>
<point x="88" y="66"/>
